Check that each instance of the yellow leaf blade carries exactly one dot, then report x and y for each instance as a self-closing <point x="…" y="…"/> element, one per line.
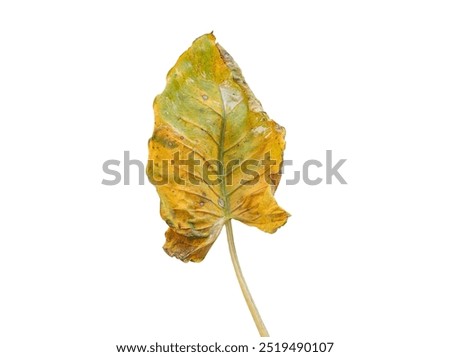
<point x="208" y="114"/>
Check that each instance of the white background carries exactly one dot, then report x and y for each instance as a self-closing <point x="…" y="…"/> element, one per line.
<point x="365" y="265"/>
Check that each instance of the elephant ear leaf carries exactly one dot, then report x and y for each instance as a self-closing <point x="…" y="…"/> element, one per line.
<point x="214" y="155"/>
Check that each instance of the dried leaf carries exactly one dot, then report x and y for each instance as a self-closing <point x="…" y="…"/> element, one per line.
<point x="208" y="156"/>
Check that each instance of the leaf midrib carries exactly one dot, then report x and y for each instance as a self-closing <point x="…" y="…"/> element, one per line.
<point x="221" y="154"/>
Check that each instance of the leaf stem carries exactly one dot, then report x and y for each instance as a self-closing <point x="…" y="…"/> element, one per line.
<point x="248" y="297"/>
